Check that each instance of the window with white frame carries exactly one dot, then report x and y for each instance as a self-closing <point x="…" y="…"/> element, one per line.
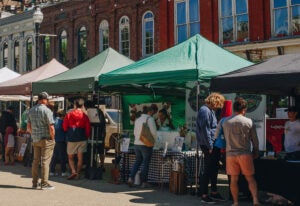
<point x="46" y="49"/>
<point x="234" y="21"/>
<point x="187" y="19"/>
<point x="29" y="54"/>
<point x="16" y="56"/>
<point x="285" y="17"/>
<point x="63" y="45"/>
<point x="124" y="36"/>
<point x="82" y="45"/>
<point x="5" y="54"/>
<point x="148" y="34"/>
<point x="103" y="35"/>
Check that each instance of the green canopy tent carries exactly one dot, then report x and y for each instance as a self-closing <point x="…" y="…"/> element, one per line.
<point x="166" y="73"/>
<point x="82" y="78"/>
<point x="195" y="59"/>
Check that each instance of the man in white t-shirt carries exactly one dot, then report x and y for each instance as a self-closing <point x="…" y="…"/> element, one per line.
<point x="292" y="134"/>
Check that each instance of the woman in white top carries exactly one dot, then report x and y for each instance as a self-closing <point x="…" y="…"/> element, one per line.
<point x="143" y="153"/>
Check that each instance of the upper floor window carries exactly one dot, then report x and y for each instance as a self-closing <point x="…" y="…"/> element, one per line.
<point x="234" y="21"/>
<point x="16" y="56"/>
<point x="82" y="46"/>
<point x="187" y="19"/>
<point x="148" y="34"/>
<point x="63" y="43"/>
<point x="28" y="54"/>
<point x="286" y="17"/>
<point x="5" y="54"/>
<point x="124" y="36"/>
<point x="103" y="35"/>
<point x="46" y="49"/>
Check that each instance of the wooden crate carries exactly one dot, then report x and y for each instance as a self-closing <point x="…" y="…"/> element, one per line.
<point x="177" y="183"/>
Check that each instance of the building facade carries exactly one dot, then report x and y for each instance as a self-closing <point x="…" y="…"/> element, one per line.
<point x="74" y="31"/>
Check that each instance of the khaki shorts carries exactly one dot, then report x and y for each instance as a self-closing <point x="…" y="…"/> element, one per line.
<point x="235" y="165"/>
<point x="76" y="147"/>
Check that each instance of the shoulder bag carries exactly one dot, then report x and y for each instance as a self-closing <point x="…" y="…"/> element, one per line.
<point x="146" y="136"/>
<point x="220" y="141"/>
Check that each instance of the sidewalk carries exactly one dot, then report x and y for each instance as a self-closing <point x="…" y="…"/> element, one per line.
<point x="15" y="189"/>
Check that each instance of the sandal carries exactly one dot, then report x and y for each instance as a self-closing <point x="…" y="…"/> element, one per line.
<point x="72" y="176"/>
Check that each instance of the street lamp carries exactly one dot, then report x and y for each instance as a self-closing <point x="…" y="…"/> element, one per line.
<point x="37" y="18"/>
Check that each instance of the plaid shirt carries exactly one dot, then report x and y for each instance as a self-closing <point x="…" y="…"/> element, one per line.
<point x="40" y="117"/>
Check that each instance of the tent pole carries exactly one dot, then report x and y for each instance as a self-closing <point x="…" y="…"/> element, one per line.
<point x="20" y="111"/>
<point x="31" y="99"/>
<point x="197" y="147"/>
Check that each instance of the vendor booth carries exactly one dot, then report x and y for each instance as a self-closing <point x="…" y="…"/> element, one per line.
<point x="22" y="85"/>
<point x="277" y="76"/>
<point x="82" y="78"/>
<point x="7" y="74"/>
<point x="20" y="88"/>
<point x="164" y="75"/>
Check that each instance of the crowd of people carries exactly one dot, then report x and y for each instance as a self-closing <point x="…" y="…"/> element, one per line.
<point x="56" y="137"/>
<point x="56" y="140"/>
<point x="239" y="132"/>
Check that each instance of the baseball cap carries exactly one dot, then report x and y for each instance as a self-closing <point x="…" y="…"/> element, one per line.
<point x="291" y="109"/>
<point x="43" y="95"/>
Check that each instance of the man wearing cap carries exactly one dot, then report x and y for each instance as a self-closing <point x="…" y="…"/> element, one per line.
<point x="292" y="134"/>
<point x="40" y="124"/>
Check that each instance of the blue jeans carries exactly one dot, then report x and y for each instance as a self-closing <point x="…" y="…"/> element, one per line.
<point x="59" y="156"/>
<point x="143" y="156"/>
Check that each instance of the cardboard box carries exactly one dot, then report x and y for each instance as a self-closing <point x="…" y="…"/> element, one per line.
<point x="177" y="183"/>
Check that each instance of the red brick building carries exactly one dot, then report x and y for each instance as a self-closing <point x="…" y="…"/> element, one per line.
<point x="246" y="27"/>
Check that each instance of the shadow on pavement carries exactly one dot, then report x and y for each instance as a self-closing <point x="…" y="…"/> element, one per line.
<point x="154" y="195"/>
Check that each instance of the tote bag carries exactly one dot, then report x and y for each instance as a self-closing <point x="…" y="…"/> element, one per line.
<point x="146" y="136"/>
<point x="220" y="141"/>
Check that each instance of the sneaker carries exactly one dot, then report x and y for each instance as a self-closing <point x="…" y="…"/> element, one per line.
<point x="47" y="187"/>
<point x="51" y="174"/>
<point x="130" y="182"/>
<point x="35" y="185"/>
<point x="64" y="174"/>
<point x="207" y="200"/>
<point x="216" y="197"/>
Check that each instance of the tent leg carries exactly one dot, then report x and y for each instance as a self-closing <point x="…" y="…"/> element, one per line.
<point x="197" y="147"/>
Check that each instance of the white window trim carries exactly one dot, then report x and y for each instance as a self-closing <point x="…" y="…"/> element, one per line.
<point x="188" y="22"/>
<point x="143" y="33"/>
<point x="120" y="35"/>
<point x="102" y="27"/>
<point x="289" y="9"/>
<point x="234" y="15"/>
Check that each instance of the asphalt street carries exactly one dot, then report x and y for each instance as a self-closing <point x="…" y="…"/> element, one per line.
<point x="15" y="190"/>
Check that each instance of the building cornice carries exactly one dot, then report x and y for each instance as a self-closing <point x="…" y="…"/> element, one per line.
<point x="264" y="45"/>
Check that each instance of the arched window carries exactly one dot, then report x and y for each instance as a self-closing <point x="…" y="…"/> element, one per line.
<point x="5" y="54"/>
<point x="148" y="34"/>
<point x="103" y="35"/>
<point x="16" y="57"/>
<point x="46" y="49"/>
<point x="29" y="54"/>
<point x="124" y="36"/>
<point x="82" y="47"/>
<point x="63" y="43"/>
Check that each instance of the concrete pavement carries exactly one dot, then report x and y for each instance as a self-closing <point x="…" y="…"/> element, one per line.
<point x="15" y="190"/>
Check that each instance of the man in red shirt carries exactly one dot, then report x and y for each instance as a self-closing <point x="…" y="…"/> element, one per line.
<point x="78" y="128"/>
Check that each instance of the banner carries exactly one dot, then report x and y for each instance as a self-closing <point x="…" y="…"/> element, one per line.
<point x="274" y="134"/>
<point x="191" y="102"/>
